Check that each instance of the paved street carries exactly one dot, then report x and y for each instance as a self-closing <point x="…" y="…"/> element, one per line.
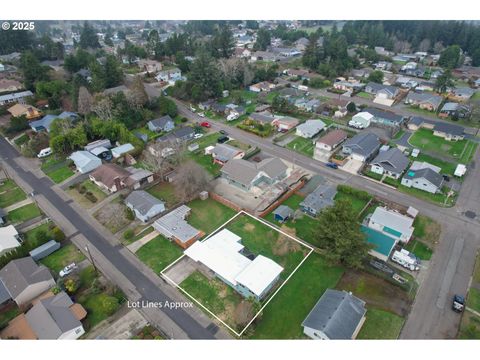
<point x="452" y="264"/>
<point x="115" y="262"/>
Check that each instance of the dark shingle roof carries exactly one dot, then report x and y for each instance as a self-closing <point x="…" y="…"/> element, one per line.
<point x="142" y="201"/>
<point x="385" y="115"/>
<point x="320" y="198"/>
<point x="337" y="314"/>
<point x="449" y="129"/>
<point x="426" y="173"/>
<point x="392" y="160"/>
<point x="161" y="122"/>
<point x="363" y="143"/>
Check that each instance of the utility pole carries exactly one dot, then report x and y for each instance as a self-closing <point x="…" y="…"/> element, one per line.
<point x="91" y="258"/>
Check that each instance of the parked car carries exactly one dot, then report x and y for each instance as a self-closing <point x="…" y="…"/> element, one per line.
<point x="458" y="303"/>
<point x="192" y="109"/>
<point x="202" y="115"/>
<point x="67" y="269"/>
<point x="205" y="124"/>
<point x="223" y="132"/>
<point x="446" y="177"/>
<point x="44" y="153"/>
<point x="197" y="136"/>
<point x="223" y="139"/>
<point x="331" y="165"/>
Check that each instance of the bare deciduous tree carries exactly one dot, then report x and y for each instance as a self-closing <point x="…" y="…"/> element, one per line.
<point x="103" y="108"/>
<point x="85" y="101"/>
<point x="191" y="180"/>
<point x="161" y="157"/>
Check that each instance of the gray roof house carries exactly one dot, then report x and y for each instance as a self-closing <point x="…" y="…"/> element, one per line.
<point x="425" y="100"/>
<point x="222" y="153"/>
<point x="85" y="161"/>
<point x="56" y="317"/>
<point x="454" y="109"/>
<point x="144" y="205"/>
<point x="310" y="128"/>
<point x="391" y="162"/>
<point x="385" y="117"/>
<point x="362" y="146"/>
<point x="4" y="294"/>
<point x="318" y="199"/>
<point x="338" y="315"/>
<point x="449" y="132"/>
<point x="46" y="122"/>
<point x="424" y="179"/>
<point x="462" y="93"/>
<point x="389" y="91"/>
<point x="165" y="123"/>
<point x="25" y="280"/>
<point x="175" y="227"/>
<point x="245" y="174"/>
<point x="262" y="117"/>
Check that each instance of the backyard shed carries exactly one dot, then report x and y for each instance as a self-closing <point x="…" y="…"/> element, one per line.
<point x="44" y="250"/>
<point x="282" y="213"/>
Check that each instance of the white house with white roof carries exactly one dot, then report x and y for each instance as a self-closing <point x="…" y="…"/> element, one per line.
<point x="222" y="253"/>
<point x="8" y="239"/>
<point x="392" y="223"/>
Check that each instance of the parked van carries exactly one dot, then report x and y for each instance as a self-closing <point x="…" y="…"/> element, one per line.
<point x="44" y="153"/>
<point x="406" y="259"/>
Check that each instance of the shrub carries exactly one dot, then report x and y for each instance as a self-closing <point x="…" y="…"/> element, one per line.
<point x="360" y="194"/>
<point x="89" y="195"/>
<point x="41" y="236"/>
<point x="58" y="234"/>
<point x="109" y="305"/>
<point x="82" y="189"/>
<point x="129" y="234"/>
<point x="129" y="214"/>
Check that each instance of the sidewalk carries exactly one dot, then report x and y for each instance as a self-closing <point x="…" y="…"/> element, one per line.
<point x="18" y="205"/>
<point x="133" y="247"/>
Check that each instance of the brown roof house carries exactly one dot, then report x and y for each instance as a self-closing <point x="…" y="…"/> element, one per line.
<point x="25" y="280"/>
<point x="113" y="178"/>
<point x="51" y="318"/>
<point x="331" y="140"/>
<point x="30" y="112"/>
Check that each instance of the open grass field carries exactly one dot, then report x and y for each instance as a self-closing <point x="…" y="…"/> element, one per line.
<point x="166" y="192"/>
<point x="302" y="145"/>
<point x="381" y="324"/>
<point x="283" y="316"/>
<point x="24" y="213"/>
<point x="207" y="215"/>
<point x="62" y="257"/>
<point x="158" y="253"/>
<point x="462" y="150"/>
<point x="10" y="194"/>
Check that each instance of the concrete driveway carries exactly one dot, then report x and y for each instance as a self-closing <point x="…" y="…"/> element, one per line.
<point x="181" y="270"/>
<point x="321" y="155"/>
<point x="352" y="166"/>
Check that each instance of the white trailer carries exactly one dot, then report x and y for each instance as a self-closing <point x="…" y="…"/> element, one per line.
<point x="406" y="259"/>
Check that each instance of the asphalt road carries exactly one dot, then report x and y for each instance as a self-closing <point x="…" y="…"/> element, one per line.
<point x="451" y="266"/>
<point x="145" y="286"/>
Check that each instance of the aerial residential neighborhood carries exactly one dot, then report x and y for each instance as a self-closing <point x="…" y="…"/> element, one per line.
<point x="240" y="180"/>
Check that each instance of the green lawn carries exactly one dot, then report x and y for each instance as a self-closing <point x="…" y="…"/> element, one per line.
<point x="81" y="199"/>
<point x="10" y="194"/>
<point x="357" y="203"/>
<point x="447" y="167"/>
<point x="61" y="174"/>
<point x="21" y="140"/>
<point x="399" y="134"/>
<point x="214" y="294"/>
<point x="207" y="215"/>
<point x="158" y="253"/>
<point x="364" y="95"/>
<point x="476" y="271"/>
<point x="469" y="152"/>
<point x="283" y="316"/>
<point x="438" y="198"/>
<point x="419" y="249"/>
<point x="31" y="235"/>
<point x="381" y="324"/>
<point x="7" y="315"/>
<point x="62" y="257"/>
<point x="261" y="239"/>
<point x="424" y="139"/>
<point x="166" y="192"/>
<point x="206" y="161"/>
<point x="138" y="234"/>
<point x="302" y="145"/>
<point x="57" y="169"/>
<point x="24" y="213"/>
<point x="473" y="300"/>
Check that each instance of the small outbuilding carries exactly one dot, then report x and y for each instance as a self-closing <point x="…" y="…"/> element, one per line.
<point x="282" y="213"/>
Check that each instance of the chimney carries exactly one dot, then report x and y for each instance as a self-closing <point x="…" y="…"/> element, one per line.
<point x="117" y="183"/>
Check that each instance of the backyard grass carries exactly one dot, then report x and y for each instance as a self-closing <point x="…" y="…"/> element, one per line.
<point x="473" y="300"/>
<point x="206" y="161"/>
<point x="207" y="215"/>
<point x="62" y="257"/>
<point x="424" y="139"/>
<point x="24" y="213"/>
<point x="166" y="192"/>
<point x="10" y="194"/>
<point x="447" y="167"/>
<point x="158" y="253"/>
<point x="303" y="225"/>
<point x="381" y="324"/>
<point x="261" y="239"/>
<point x="421" y="250"/>
<point x="302" y="145"/>
<point x="283" y="316"/>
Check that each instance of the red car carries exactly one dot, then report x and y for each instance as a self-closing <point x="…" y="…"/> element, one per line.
<point x="205" y="124"/>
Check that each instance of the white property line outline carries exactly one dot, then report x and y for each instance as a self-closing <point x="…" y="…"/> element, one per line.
<point x="241" y="212"/>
